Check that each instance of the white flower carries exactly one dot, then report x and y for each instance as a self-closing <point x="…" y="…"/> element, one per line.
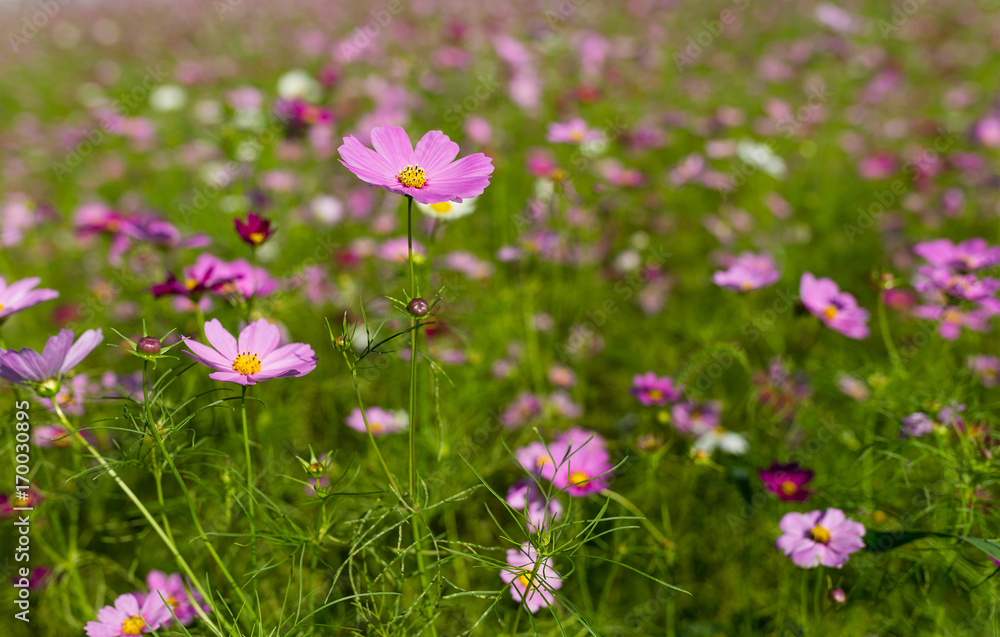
<point x="298" y="83"/>
<point x="762" y="157"/>
<point x="719" y="438"/>
<point x="448" y="210"/>
<point x="168" y="97"/>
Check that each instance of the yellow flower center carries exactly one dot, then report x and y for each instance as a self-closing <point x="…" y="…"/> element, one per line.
<point x="257" y="237"/>
<point x="745" y="286"/>
<point x="789" y="488"/>
<point x="412" y="177"/>
<point x="190" y="284"/>
<point x="376" y="427"/>
<point x="952" y="316"/>
<point x="442" y="207"/>
<point x="133" y="625"/>
<point x="576" y="135"/>
<point x="1" y="307"/>
<point x="541" y="462"/>
<point x="577" y="477"/>
<point x="524" y="579"/>
<point x="830" y="312"/>
<point x="173" y="602"/>
<point x="246" y="363"/>
<point x="819" y="534"/>
<point x="655" y="394"/>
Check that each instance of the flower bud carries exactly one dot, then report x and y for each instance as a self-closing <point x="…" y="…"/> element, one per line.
<point x="418" y="307"/>
<point x="149" y="346"/>
<point x="838" y="596"/>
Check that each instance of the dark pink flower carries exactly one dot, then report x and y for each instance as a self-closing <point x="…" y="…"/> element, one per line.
<point x="255" y="230"/>
<point x="254" y="357"/>
<point x="581" y="464"/>
<point x="838" y="310"/>
<point x="787" y="481"/>
<point x="428" y="173"/>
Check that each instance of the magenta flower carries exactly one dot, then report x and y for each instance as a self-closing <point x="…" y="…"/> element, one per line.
<point x="817" y="538"/>
<point x="255" y="230"/>
<point x="787" y="481"/>
<point x="127" y="617"/>
<point x="575" y="131"/>
<point x="21" y="295"/>
<point x="171" y="590"/>
<point x="838" y="310"/>
<point x="60" y="355"/>
<point x="534" y="457"/>
<point x="747" y="272"/>
<point x="581" y="463"/>
<point x="652" y="390"/>
<point x="245" y="280"/>
<point x="208" y="274"/>
<point x="428" y="173"/>
<point x="531" y="577"/>
<point x="254" y="357"/>
<point x="382" y="421"/>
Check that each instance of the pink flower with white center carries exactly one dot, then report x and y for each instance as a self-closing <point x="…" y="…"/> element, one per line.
<point x="575" y="131"/>
<point x="428" y="173"/>
<point x="531" y="577"/>
<point x="747" y="272"/>
<point x="252" y="358"/>
<point x="127" y="617"/>
<point x="21" y="295"/>
<point x="837" y="310"/>
<point x="817" y="538"/>
<point x="382" y="421"/>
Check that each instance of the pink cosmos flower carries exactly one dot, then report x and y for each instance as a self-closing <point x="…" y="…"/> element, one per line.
<point x="525" y="407"/>
<point x="171" y="590"/>
<point x="581" y="464"/>
<point x="985" y="368"/>
<point x="127" y="617"/>
<point x="966" y="256"/>
<point x="531" y="577"/>
<point x="428" y="173"/>
<point x="382" y="421"/>
<point x="787" y="481"/>
<point x="696" y="419"/>
<point x="255" y="230"/>
<point x="915" y="425"/>
<point x="651" y="389"/>
<point x="952" y="319"/>
<point x="820" y="537"/>
<point x="525" y="495"/>
<point x="748" y="272"/>
<point x="21" y="295"/>
<point x="252" y="358"/>
<point x="838" y="310"/>
<point x="575" y="131"/>
<point x="60" y="355"/>
<point x="397" y="250"/>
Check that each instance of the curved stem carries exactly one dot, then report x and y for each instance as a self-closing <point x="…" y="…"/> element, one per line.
<point x="146" y="514"/>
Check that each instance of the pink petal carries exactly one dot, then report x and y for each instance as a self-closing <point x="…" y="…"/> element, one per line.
<point x="366" y="164"/>
<point x="434" y="151"/>
<point x="232" y="377"/>
<point x="393" y="143"/>
<point x="220" y="339"/>
<point x="260" y="338"/>
<point x="208" y="357"/>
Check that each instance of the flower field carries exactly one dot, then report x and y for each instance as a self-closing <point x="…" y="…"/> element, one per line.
<point x="558" y="318"/>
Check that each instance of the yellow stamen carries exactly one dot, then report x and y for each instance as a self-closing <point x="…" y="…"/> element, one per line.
<point x="524" y="579"/>
<point x="576" y="135"/>
<point x="442" y="207"/>
<point x="542" y="461"/>
<point x="376" y="427"/>
<point x="1" y="307"/>
<point x="789" y="488"/>
<point x="257" y="237"/>
<point x="577" y="478"/>
<point x="412" y="177"/>
<point x="655" y="394"/>
<point x="830" y="312"/>
<point x="819" y="534"/>
<point x="133" y="625"/>
<point x="173" y="602"/>
<point x="246" y="363"/>
<point x="745" y="286"/>
<point x="190" y="284"/>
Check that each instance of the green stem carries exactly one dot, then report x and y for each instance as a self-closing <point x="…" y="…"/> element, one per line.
<point x="149" y="518"/>
<point x="371" y="436"/>
<point x="253" y="526"/>
<point x="817" y="597"/>
<point x="625" y="502"/>
<point x="883" y="323"/>
<point x="413" y="358"/>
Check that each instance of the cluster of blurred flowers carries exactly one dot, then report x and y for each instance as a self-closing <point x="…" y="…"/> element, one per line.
<point x="954" y="289"/>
